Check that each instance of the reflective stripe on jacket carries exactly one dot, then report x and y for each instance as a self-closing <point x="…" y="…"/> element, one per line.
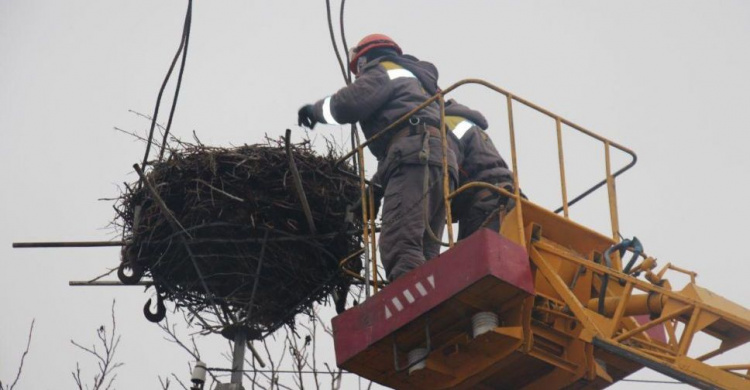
<point x="481" y="161"/>
<point x="386" y="89"/>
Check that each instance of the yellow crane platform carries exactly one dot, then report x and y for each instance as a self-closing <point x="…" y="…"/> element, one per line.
<point x="545" y="303"/>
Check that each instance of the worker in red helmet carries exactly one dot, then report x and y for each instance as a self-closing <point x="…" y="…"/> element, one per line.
<point x="388" y="85"/>
<point x="481" y="162"/>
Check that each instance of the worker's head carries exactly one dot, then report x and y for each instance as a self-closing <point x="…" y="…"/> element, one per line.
<point x="371" y="46"/>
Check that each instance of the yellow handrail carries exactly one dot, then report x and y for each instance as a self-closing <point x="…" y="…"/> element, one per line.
<point x="609" y="179"/>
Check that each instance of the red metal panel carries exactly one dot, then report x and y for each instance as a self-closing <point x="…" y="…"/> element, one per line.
<point x="484" y="253"/>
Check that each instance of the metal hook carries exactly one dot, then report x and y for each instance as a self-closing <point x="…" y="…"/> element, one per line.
<point x="161" y="310"/>
<point x="136" y="273"/>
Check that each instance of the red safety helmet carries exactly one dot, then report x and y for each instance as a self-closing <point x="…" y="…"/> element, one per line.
<point x="368" y="43"/>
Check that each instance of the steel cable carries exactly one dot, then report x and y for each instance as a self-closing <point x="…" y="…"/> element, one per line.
<point x="181" y="50"/>
<point x="333" y="40"/>
<point x="186" y="40"/>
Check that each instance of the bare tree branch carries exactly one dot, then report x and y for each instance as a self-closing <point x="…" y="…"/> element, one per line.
<point x="23" y="357"/>
<point x="106" y="363"/>
<point x="77" y="377"/>
<point x="173" y="338"/>
<point x="164" y="383"/>
<point x="179" y="381"/>
<point x="103" y="275"/>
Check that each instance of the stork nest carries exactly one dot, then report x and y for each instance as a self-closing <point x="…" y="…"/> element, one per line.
<point x="233" y="244"/>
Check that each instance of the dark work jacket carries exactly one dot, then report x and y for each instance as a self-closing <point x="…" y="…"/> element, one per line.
<point x="480" y="159"/>
<point x="386" y="89"/>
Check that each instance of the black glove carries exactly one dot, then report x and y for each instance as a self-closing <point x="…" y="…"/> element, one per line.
<point x="306" y="117"/>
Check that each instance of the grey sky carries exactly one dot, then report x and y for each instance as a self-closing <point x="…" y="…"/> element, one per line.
<point x="667" y="78"/>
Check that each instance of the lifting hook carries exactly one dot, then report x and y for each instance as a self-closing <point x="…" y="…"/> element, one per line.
<point x="161" y="310"/>
<point x="136" y="272"/>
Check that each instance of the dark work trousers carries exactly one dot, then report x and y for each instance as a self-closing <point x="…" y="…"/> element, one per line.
<point x="405" y="243"/>
<point x="478" y="213"/>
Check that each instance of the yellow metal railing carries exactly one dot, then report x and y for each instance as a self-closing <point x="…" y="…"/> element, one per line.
<point x="609" y="180"/>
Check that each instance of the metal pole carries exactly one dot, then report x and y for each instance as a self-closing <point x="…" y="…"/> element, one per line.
<point x="446" y="179"/>
<point x="69" y="244"/>
<point x="612" y="193"/>
<point x="238" y="357"/>
<point x="514" y="159"/>
<point x="117" y="283"/>
<point x="561" y="158"/>
<point x="365" y="214"/>
<point x="374" y="255"/>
